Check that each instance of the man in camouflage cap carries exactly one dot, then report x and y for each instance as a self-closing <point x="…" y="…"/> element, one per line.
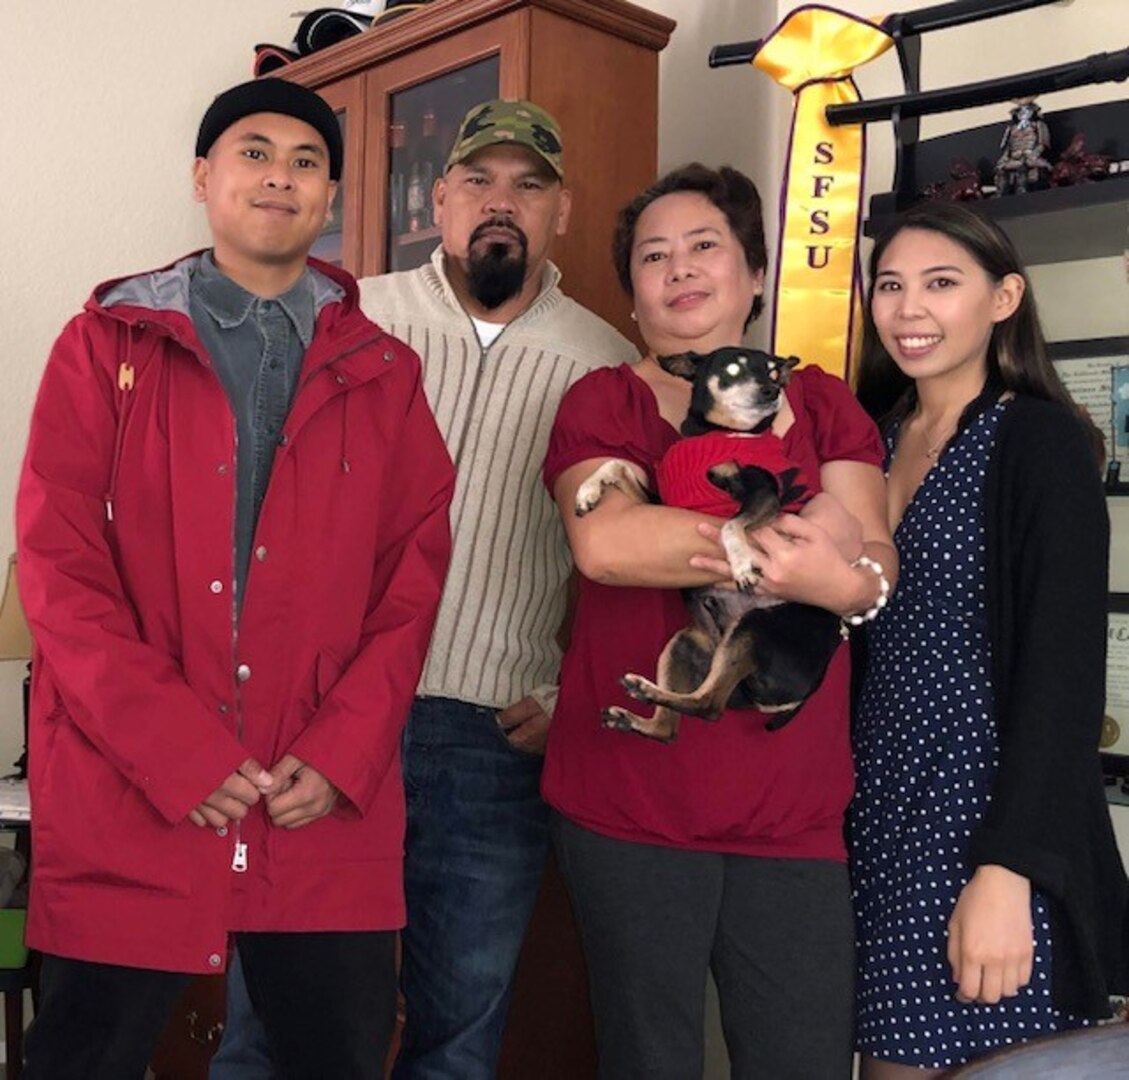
<point x="519" y="122"/>
<point x="500" y="344"/>
<point x="500" y="203"/>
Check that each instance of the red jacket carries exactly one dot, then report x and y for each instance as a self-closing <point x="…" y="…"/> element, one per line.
<point x="145" y="693"/>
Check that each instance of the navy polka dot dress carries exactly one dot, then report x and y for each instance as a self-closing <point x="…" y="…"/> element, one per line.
<point x="926" y="755"/>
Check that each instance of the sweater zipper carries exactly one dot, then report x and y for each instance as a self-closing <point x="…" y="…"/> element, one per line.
<point x="480" y="370"/>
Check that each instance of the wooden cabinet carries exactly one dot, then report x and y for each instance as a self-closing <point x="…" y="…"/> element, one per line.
<point x="401" y="88"/>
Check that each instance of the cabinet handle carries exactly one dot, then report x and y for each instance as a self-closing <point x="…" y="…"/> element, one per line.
<point x="211" y="1035"/>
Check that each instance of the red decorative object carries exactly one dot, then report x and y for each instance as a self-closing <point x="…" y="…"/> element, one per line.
<point x="963" y="184"/>
<point x="1076" y="166"/>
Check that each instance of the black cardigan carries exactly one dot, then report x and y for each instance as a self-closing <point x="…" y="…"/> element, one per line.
<point x="1047" y="533"/>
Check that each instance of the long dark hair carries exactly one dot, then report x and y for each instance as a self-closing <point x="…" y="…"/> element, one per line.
<point x="731" y="191"/>
<point x="1017" y="350"/>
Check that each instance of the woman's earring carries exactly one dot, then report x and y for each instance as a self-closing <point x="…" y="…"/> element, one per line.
<point x="634" y="317"/>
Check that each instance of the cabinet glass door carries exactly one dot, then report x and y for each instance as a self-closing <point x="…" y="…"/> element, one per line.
<point x="329" y="246"/>
<point x="423" y="120"/>
<point x="340" y="239"/>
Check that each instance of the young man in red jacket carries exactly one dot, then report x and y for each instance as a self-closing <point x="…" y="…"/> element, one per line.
<point x="233" y="536"/>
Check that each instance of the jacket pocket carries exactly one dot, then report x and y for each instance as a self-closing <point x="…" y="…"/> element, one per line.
<point x="327" y="671"/>
<point x="95" y="829"/>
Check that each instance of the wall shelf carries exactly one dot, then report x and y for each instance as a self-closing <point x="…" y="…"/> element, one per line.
<point x="1083" y="221"/>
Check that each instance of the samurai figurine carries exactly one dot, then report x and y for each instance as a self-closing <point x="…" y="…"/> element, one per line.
<point x="1026" y="140"/>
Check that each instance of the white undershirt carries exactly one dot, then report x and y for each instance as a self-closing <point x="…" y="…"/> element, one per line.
<point x="486" y="331"/>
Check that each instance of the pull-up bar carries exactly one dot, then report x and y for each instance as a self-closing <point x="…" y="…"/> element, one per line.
<point x="1102" y="67"/>
<point x="938" y="17"/>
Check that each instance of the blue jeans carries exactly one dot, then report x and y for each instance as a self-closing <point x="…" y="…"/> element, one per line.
<point x="243" y="1053"/>
<point x="476" y="848"/>
<point x="475" y="854"/>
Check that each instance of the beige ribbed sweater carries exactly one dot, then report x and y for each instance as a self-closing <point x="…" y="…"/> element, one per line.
<point x="494" y="639"/>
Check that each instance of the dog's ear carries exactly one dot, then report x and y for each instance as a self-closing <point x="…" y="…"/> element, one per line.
<point x="784" y="366"/>
<point x="684" y="365"/>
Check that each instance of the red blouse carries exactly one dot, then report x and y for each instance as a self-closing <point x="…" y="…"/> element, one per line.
<point x="729" y="786"/>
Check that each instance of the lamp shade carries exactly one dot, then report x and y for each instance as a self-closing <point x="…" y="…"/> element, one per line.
<point x="15" y="638"/>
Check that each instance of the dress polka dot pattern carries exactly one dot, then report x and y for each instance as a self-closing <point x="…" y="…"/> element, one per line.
<point x="926" y="755"/>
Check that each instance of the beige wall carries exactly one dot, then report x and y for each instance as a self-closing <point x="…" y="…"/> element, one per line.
<point x="100" y="107"/>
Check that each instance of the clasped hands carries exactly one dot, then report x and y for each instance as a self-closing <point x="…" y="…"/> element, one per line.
<point x="295" y="794"/>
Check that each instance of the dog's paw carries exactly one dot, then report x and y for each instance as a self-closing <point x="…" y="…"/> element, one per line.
<point x="585" y="505"/>
<point x="722" y="473"/>
<point x="746" y="574"/>
<point x="589" y="493"/>
<point x="617" y="719"/>
<point x="637" y="687"/>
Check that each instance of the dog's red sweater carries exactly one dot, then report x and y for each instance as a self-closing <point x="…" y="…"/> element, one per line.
<point x="681" y="473"/>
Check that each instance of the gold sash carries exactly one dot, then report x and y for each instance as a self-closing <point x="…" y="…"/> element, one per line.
<point x="816" y="299"/>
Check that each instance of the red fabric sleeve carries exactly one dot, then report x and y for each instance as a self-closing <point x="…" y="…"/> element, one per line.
<point x="840" y="428"/>
<point x="608" y="413"/>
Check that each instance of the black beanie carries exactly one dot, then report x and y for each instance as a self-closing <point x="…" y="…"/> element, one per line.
<point x="272" y="96"/>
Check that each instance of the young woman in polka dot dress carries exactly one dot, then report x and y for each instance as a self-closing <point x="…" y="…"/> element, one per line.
<point x="991" y="904"/>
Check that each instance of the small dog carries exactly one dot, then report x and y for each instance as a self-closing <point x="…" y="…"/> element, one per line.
<point x="741" y="650"/>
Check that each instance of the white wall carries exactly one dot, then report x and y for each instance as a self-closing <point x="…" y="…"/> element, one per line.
<point x="101" y="104"/>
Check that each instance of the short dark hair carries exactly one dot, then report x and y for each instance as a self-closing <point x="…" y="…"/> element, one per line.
<point x="731" y="191"/>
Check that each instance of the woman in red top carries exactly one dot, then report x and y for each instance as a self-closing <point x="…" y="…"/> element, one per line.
<point x="724" y="850"/>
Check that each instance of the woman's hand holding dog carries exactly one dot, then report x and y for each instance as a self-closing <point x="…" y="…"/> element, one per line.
<point x="991" y="938"/>
<point x="798" y="560"/>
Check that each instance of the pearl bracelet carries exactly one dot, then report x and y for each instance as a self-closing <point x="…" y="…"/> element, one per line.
<point x="883" y="592"/>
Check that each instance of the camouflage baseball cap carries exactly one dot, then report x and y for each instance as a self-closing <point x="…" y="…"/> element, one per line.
<point x="521" y="122"/>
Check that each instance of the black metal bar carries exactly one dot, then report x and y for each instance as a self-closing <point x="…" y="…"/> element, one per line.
<point x="939" y="17"/>
<point x="956" y="13"/>
<point x="738" y="52"/>
<point x="906" y="131"/>
<point x="1102" y="67"/>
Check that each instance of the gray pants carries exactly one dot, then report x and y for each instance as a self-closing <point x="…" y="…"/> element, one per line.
<point x="777" y="934"/>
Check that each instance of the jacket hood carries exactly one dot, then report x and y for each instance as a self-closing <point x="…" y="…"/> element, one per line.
<point x="166" y="290"/>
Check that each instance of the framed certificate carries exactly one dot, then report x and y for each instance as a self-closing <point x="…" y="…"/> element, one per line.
<point x="1115" y="727"/>
<point x="1096" y="374"/>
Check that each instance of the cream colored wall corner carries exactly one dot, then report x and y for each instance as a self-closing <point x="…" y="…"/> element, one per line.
<point x="100" y="107"/>
<point x="722" y="116"/>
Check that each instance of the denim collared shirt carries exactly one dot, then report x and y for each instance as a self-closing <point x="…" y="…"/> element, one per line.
<point x="256" y="347"/>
